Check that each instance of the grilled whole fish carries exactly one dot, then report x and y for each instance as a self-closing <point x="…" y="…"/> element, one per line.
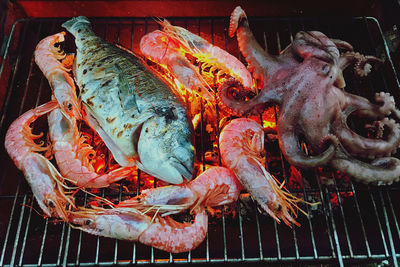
<point x="133" y="110"/>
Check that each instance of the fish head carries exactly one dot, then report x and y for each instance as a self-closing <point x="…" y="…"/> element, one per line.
<point x="165" y="148"/>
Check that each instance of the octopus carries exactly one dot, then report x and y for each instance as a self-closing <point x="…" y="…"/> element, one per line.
<point x="306" y="83"/>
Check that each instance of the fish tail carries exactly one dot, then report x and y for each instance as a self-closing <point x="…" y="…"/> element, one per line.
<point x="75" y="24"/>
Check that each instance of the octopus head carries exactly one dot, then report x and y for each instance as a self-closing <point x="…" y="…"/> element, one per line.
<point x="315" y="44"/>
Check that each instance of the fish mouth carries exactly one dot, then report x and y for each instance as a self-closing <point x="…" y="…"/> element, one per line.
<point x="184" y="168"/>
<point x="171" y="171"/>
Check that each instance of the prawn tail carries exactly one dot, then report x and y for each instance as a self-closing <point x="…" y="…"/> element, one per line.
<point x="180" y="35"/>
<point x="47" y="55"/>
<point x="102" y="180"/>
<point x="176" y="237"/>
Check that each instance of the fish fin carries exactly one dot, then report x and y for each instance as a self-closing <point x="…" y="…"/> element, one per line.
<point x="71" y="26"/>
<point x="126" y="92"/>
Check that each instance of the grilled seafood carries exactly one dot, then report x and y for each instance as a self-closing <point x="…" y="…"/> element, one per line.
<point x="269" y="68"/>
<point x="214" y="187"/>
<point x="47" y="57"/>
<point x="169" y="48"/>
<point x="72" y="154"/>
<point x="242" y="144"/>
<point x="130" y="224"/>
<point x="130" y="219"/>
<point x="312" y="104"/>
<point x="69" y="148"/>
<point x="132" y="109"/>
<point x="46" y="182"/>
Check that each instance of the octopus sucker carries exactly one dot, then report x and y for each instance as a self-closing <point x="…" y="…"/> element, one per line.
<point x="362" y="64"/>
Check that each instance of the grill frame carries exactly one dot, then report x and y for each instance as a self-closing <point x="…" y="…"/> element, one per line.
<point x="21" y="219"/>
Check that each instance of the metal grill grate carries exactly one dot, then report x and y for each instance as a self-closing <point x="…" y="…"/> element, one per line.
<point x="353" y="224"/>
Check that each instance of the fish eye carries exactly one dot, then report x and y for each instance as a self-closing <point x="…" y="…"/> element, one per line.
<point x="69" y="106"/>
<point x="50" y="204"/>
<point x="88" y="222"/>
<point x="279" y="208"/>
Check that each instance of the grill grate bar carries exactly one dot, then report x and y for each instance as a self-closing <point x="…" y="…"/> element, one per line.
<point x="380" y="226"/>
<point x="343" y="217"/>
<point x="278" y="245"/>
<point x="39" y="263"/>
<point x="66" y="246"/>
<point x="79" y="246"/>
<point x="389" y="232"/>
<point x="18" y="231"/>
<point x="326" y="213"/>
<point x="258" y="233"/>
<point x="361" y="220"/>
<point x="60" y="248"/>
<point x="335" y="234"/>
<point x="393" y="213"/>
<point x="25" y="237"/>
<point x="224" y="235"/>
<point x="314" y="247"/>
<point x="241" y="233"/>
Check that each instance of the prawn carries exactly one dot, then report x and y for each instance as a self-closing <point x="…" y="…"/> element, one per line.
<point x="130" y="224"/>
<point x="170" y="47"/>
<point x="214" y="187"/>
<point x="241" y="144"/>
<point x="47" y="57"/>
<point x="46" y="182"/>
<point x="162" y="49"/>
<point x="72" y="154"/>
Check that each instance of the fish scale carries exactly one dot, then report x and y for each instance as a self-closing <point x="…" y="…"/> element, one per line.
<point x="124" y="100"/>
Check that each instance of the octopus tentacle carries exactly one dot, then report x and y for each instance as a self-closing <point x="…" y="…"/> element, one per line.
<point x="381" y="171"/>
<point x="231" y="97"/>
<point x="362" y="64"/>
<point x="255" y="55"/>
<point x="358" y="145"/>
<point x="388" y="104"/>
<point x="290" y="148"/>
<point x="363" y="107"/>
<point x="343" y="45"/>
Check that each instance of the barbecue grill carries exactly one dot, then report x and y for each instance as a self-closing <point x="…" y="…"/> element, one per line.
<point x="354" y="223"/>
